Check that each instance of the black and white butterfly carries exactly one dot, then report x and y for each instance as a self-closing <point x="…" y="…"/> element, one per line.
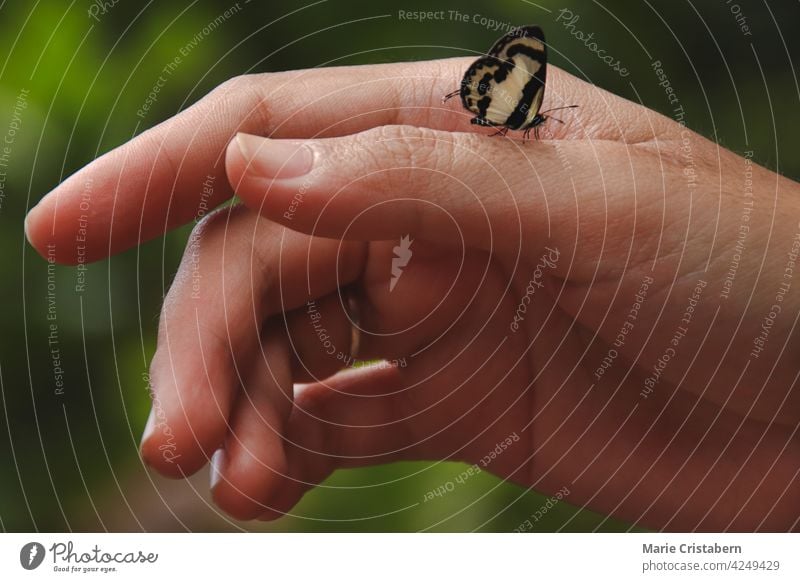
<point x="506" y="87"/>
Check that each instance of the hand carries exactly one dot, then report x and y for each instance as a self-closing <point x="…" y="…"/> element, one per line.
<point x="528" y="262"/>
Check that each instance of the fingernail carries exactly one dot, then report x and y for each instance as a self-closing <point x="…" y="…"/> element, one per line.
<point x="28" y="217"/>
<point x="215" y="473"/>
<point x="27" y="229"/>
<point x="273" y="158"/>
<point x="149" y="426"/>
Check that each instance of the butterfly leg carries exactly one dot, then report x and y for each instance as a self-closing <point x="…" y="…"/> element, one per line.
<point x="503" y="131"/>
<point x="450" y="95"/>
<point x="526" y="135"/>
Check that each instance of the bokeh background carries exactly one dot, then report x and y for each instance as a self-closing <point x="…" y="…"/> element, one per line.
<point x="68" y="462"/>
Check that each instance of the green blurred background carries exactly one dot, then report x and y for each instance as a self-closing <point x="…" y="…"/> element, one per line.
<point x="69" y="462"/>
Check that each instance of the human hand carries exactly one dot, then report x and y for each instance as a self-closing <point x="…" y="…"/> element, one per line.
<point x="605" y="203"/>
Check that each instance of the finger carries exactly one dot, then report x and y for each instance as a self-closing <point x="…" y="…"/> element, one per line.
<point x="319" y="334"/>
<point x="169" y="174"/>
<point x="433" y="293"/>
<point x="452" y="188"/>
<point x="172" y="173"/>
<point x="249" y="469"/>
<point x="455" y="403"/>
<point x="441" y="406"/>
<point x="358" y="417"/>
<point x="211" y="323"/>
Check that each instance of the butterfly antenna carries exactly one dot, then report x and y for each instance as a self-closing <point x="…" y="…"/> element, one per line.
<point x="559" y="108"/>
<point x="450" y="95"/>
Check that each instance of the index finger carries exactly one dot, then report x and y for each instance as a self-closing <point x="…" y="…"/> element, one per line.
<point x="175" y="172"/>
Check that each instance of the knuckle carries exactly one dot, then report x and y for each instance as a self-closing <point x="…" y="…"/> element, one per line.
<point x="222" y="226"/>
<point x="211" y="224"/>
<point x="233" y="88"/>
<point x="243" y="83"/>
<point x="411" y="146"/>
<point x="234" y="84"/>
<point x="232" y="227"/>
<point x="438" y="153"/>
<point x="415" y="153"/>
<point x="245" y="94"/>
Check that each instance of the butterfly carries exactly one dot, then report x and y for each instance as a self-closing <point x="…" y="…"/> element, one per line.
<point x="506" y="87"/>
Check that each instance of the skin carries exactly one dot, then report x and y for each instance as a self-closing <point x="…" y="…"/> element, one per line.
<point x="713" y="446"/>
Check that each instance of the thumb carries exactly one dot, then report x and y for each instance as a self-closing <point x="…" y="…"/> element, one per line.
<point x="456" y="188"/>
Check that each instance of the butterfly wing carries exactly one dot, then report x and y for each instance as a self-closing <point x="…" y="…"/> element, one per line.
<point x="479" y="91"/>
<point x="532" y="36"/>
<point x="506" y="87"/>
